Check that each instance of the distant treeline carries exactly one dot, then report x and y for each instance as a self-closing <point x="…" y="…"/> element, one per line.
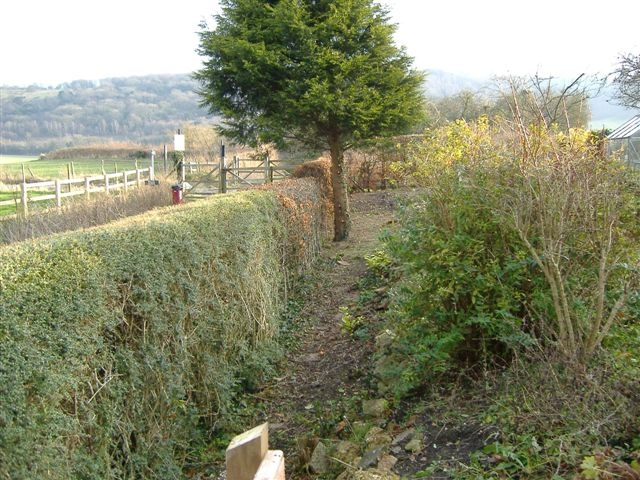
<point x="144" y="110"/>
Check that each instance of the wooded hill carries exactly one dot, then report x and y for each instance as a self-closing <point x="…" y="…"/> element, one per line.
<point x="145" y="110"/>
<point x="148" y="110"/>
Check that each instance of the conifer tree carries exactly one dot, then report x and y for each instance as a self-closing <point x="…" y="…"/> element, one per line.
<point x="325" y="73"/>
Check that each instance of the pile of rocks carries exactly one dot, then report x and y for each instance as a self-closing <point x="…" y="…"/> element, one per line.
<point x="375" y="457"/>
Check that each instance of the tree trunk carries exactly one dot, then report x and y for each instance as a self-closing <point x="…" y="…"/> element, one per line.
<point x="341" y="214"/>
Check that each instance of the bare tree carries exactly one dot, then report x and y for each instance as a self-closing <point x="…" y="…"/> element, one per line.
<point x="626" y="78"/>
<point x="544" y="101"/>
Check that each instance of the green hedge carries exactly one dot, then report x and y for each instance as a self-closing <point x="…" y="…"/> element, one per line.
<point x="121" y="345"/>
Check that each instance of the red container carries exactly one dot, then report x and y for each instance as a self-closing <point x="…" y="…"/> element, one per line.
<point x="176" y="194"/>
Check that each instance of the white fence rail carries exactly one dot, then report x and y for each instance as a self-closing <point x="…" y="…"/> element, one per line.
<point x="59" y="189"/>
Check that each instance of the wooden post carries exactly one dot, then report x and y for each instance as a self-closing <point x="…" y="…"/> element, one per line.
<point x="223" y="171"/>
<point x="25" y="199"/>
<point x="87" y="187"/>
<point x="249" y="457"/>
<point x="267" y="166"/>
<point x="58" y="194"/>
<point x="152" y="169"/>
<point x="164" y="157"/>
<point x="106" y="182"/>
<point x="272" y="467"/>
<point x="124" y="180"/>
<point x="246" y="452"/>
<point x="70" y="174"/>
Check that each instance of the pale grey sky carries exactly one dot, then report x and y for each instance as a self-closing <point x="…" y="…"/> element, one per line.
<point x="49" y="42"/>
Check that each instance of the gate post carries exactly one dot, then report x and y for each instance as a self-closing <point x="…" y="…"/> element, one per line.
<point x="25" y="198"/>
<point x="267" y="166"/>
<point x="223" y="171"/>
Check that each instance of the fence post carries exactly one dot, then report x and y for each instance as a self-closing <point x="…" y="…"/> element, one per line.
<point x="25" y="199"/>
<point x="58" y="194"/>
<point x="223" y="171"/>
<point x="152" y="169"/>
<point x="248" y="457"/>
<point x="87" y="187"/>
<point x="137" y="177"/>
<point x="164" y="158"/>
<point x="267" y="166"/>
<point x="106" y="182"/>
<point x="124" y="180"/>
<point x="245" y="453"/>
<point x="272" y="466"/>
<point x="69" y="176"/>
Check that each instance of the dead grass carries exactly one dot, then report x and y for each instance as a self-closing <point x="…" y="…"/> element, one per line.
<point x="82" y="213"/>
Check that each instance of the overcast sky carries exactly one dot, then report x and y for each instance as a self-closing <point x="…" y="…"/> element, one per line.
<point x="49" y="42"/>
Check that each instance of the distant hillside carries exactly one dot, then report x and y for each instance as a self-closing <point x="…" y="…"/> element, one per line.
<point x="145" y="110"/>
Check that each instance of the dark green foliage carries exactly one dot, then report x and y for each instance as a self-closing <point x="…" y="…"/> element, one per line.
<point x="123" y="347"/>
<point x="459" y="302"/>
<point x="307" y="71"/>
<point x="325" y="74"/>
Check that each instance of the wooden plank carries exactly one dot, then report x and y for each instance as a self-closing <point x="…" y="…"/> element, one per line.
<point x="246" y="452"/>
<point x="47" y="184"/>
<point x="272" y="467"/>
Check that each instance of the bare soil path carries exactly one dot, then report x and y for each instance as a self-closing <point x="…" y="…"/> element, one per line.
<point x="328" y="371"/>
<point x="328" y="366"/>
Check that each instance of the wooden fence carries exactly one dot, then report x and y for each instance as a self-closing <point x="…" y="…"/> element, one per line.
<point x="59" y="189"/>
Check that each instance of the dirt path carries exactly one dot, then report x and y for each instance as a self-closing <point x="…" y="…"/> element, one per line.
<point x="328" y="371"/>
<point x="328" y="367"/>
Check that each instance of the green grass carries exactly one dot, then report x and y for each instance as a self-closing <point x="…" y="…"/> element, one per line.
<point x="12" y="159"/>
<point x="48" y="169"/>
<point x="7" y="209"/>
<point x="43" y="169"/>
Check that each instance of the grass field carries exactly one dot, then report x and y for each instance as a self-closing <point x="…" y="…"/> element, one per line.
<point x="34" y="169"/>
<point x="12" y="159"/>
<point x="8" y="195"/>
<point x="37" y="169"/>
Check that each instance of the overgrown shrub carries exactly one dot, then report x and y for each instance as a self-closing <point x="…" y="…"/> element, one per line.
<point x="519" y="237"/>
<point x="463" y="273"/>
<point x="123" y="346"/>
<point x="370" y="165"/>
